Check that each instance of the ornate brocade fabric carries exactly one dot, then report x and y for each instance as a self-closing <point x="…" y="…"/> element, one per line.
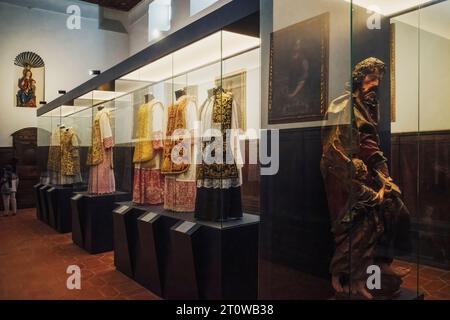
<point x="222" y="114"/>
<point x="176" y="120"/>
<point x="143" y="151"/>
<point x="95" y="155"/>
<point x="100" y="158"/>
<point x="54" y="152"/>
<point x="148" y="187"/>
<point x="179" y="196"/>
<point x="70" y="159"/>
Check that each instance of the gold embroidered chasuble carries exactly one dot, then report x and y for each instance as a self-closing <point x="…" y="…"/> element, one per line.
<point x="176" y="120"/>
<point x="54" y="153"/>
<point x="96" y="154"/>
<point x="70" y="159"/>
<point x="143" y="151"/>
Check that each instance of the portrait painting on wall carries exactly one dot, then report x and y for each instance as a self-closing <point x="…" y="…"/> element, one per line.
<point x="30" y="78"/>
<point x="298" y="87"/>
<point x="236" y="83"/>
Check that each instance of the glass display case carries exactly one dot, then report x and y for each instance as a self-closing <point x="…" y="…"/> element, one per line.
<point x="172" y="135"/>
<point x="353" y="99"/>
<point x="356" y="210"/>
<point x="74" y="129"/>
<point x="420" y="130"/>
<point x="44" y="135"/>
<point x="171" y="117"/>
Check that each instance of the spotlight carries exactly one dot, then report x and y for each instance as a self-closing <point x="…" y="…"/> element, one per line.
<point x="61" y="91"/>
<point x="42" y="102"/>
<point x="156" y="34"/>
<point x="94" y="72"/>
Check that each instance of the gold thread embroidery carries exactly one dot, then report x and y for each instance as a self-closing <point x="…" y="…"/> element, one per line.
<point x="176" y="120"/>
<point x="222" y="113"/>
<point x="143" y="151"/>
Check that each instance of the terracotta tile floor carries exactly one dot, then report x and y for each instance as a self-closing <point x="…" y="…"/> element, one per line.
<point x="34" y="259"/>
<point x="433" y="282"/>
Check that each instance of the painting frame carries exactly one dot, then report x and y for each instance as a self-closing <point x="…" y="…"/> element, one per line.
<point x="286" y="105"/>
<point x="393" y="71"/>
<point x="228" y="81"/>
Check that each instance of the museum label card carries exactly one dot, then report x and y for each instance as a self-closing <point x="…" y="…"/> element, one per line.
<point x="122" y="209"/>
<point x="149" y="217"/>
<point x="77" y="197"/>
<point x="185" y="227"/>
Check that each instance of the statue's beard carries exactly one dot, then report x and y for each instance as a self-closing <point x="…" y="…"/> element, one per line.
<point x="370" y="98"/>
<point x="370" y="101"/>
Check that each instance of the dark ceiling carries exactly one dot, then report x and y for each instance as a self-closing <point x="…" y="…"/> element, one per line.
<point x="123" y="5"/>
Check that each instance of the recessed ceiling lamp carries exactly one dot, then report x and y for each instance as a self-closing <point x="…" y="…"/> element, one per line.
<point x="159" y="18"/>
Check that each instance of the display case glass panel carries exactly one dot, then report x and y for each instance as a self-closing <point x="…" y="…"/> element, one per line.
<point x="420" y="144"/>
<point x="77" y="121"/>
<point x="434" y="145"/>
<point x="334" y="224"/>
<point x="55" y="152"/>
<point x="43" y="142"/>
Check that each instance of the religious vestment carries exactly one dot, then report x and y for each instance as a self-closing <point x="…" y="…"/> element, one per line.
<point x="178" y="165"/>
<point x="148" y="181"/>
<point x="219" y="179"/>
<point x="100" y="156"/>
<point x="64" y="157"/>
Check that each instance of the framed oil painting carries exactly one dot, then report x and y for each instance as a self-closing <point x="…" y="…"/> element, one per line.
<point x="298" y="87"/>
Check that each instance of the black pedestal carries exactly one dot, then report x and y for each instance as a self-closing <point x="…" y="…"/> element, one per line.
<point x="174" y="255"/>
<point x="126" y="241"/>
<point x="59" y="213"/>
<point x="152" y="257"/>
<point x="37" y="197"/>
<point x="52" y="205"/>
<point x="92" y="220"/>
<point x="225" y="257"/>
<point x="44" y="202"/>
<point x="78" y="219"/>
<point x="183" y="279"/>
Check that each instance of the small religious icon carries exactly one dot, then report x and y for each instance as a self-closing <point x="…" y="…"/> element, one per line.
<point x="26" y="96"/>
<point x="29" y="86"/>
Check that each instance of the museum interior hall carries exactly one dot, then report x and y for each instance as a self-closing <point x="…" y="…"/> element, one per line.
<point x="225" y="150"/>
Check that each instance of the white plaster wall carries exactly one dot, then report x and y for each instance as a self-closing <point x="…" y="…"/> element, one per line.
<point x="423" y="99"/>
<point x="68" y="55"/>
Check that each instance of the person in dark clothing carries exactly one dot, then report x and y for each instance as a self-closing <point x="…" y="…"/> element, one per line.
<point x="9" y="182"/>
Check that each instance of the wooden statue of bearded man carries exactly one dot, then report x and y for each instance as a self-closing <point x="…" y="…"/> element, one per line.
<point x="370" y="223"/>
